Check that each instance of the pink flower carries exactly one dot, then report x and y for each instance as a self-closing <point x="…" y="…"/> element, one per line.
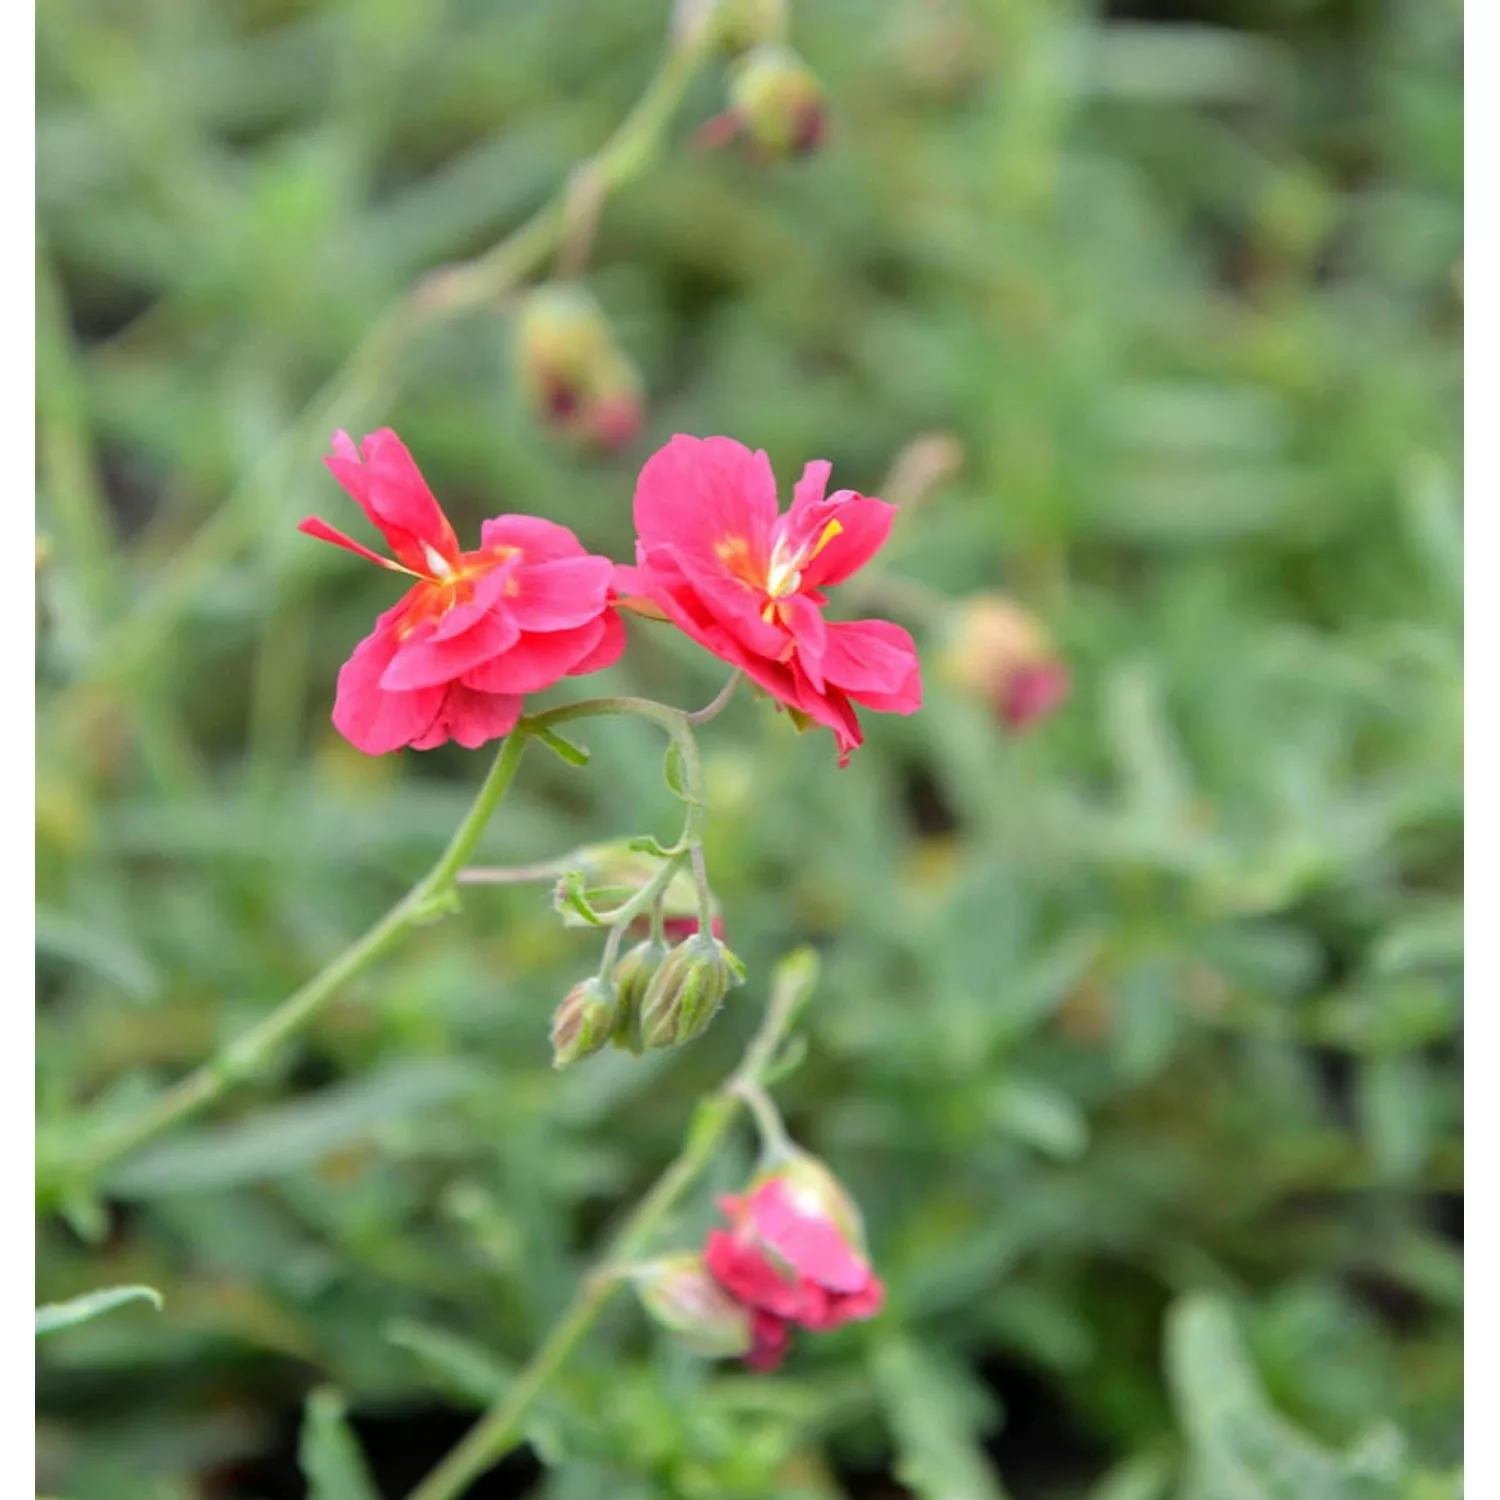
<point x="747" y="583"/>
<point x="794" y="1254"/>
<point x="477" y="630"/>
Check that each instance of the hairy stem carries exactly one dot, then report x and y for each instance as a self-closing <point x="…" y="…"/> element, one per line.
<point x="500" y="1429"/>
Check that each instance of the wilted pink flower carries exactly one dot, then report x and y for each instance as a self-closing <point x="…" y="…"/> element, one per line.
<point x="477" y="630"/>
<point x="793" y="1253"/>
<point x="747" y="583"/>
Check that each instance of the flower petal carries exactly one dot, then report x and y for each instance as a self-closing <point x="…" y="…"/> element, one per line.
<point x="315" y="526"/>
<point x="429" y="657"/>
<point x="808" y="1242"/>
<point x="607" y="651"/>
<point x="560" y="595"/>
<point x="876" y="663"/>
<point x="473" y="719"/>
<point x="369" y="717"/>
<point x="711" y="498"/>
<point x="536" y="661"/>
<point x="538" y="540"/>
<point x="863" y="524"/>
<point x="390" y="489"/>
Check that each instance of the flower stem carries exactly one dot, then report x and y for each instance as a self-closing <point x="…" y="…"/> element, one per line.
<point x="499" y="1430"/>
<point x="249" y="1054"/>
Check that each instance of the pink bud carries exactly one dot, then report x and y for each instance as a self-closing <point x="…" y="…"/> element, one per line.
<point x="1002" y="655"/>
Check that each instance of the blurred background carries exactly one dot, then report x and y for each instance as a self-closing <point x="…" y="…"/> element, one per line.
<point x="1139" y="1038"/>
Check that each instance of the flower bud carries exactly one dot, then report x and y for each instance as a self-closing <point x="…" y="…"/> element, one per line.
<point x="632" y="976"/>
<point x="775" y="102"/>
<point x="740" y="25"/>
<point x="686" y="991"/>
<point x="584" y="1021"/>
<point x="1002" y="655"/>
<point x="679" y="1294"/>
<point x="575" y="376"/>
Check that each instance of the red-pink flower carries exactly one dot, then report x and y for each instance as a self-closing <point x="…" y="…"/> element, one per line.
<point x="716" y="557"/>
<point x="794" y="1254"/>
<point x="477" y="630"/>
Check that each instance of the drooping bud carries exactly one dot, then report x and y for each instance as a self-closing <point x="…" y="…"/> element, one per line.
<point x="686" y="991"/>
<point x="632" y="977"/>
<point x="1002" y="655"/>
<point x="775" y="102"/>
<point x="575" y="376"/>
<point x="584" y="1021"/>
<point x="678" y="1293"/>
<point x="795" y="1247"/>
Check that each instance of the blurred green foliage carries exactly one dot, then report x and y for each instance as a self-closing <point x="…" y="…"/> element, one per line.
<point x="1139" y="1036"/>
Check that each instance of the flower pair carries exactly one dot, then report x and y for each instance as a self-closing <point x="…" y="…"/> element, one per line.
<point x="479" y="630"/>
<point x="793" y="1256"/>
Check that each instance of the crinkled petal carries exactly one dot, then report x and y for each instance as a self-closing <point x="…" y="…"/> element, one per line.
<point x="709" y="497"/>
<point x="863" y="526"/>
<point x="536" y="661"/>
<point x="808" y="1242"/>
<point x="369" y="717"/>
<point x="876" y="663"/>
<point x="537" y="540"/>
<point x="607" y="650"/>
<point x="560" y="595"/>
<point x="389" y="487"/>
<point x="430" y="657"/>
<point x="473" y="719"/>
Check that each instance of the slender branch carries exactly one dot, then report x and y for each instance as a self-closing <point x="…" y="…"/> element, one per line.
<point x="714" y="709"/>
<point x="499" y="1430"/>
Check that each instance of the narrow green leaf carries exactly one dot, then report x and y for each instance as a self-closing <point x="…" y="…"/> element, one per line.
<point x="329" y="1453"/>
<point x="461" y="1366"/>
<point x="938" y="1417"/>
<point x="564" y="749"/>
<point x="53" y="1316"/>
<point x="675" y="769"/>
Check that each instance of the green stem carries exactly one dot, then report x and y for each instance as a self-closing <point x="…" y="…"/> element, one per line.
<point x="250" y="1053"/>
<point x="499" y="1430"/>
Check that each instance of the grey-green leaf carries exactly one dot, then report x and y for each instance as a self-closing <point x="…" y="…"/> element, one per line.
<point x="329" y="1453"/>
<point x="53" y="1316"/>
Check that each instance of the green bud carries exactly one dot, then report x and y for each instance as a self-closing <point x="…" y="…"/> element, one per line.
<point x="632" y="977"/>
<point x="584" y="1021"/>
<point x="575" y="376"/>
<point x="742" y="24"/>
<point x="686" y="991"/>
<point x="778" y="101"/>
<point x="678" y="1293"/>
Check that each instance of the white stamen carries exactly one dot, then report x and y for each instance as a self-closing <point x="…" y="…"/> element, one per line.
<point x="436" y="561"/>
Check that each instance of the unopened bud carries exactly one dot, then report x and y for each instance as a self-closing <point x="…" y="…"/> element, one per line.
<point x="686" y="991"/>
<point x="584" y="1021"/>
<point x="740" y="25"/>
<point x="775" y="102"/>
<point x="679" y="1294"/>
<point x="1002" y="655"/>
<point x="632" y="976"/>
<point x="575" y="376"/>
